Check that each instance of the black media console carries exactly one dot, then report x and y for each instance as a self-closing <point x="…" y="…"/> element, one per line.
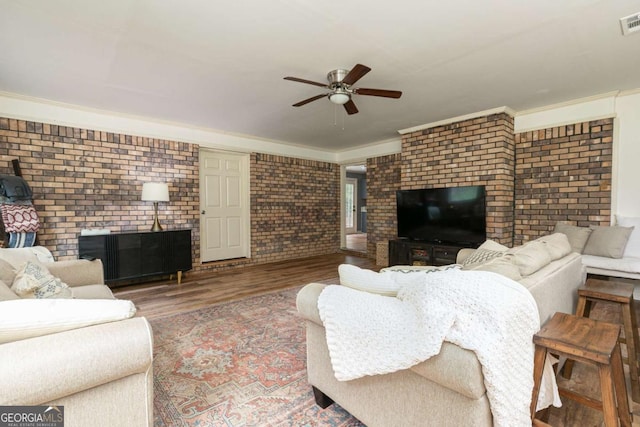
<point x="127" y="256"/>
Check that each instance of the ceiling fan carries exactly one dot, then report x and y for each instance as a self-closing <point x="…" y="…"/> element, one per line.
<point x="341" y="90"/>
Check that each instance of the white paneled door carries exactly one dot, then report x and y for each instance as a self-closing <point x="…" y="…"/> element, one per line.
<point x="224" y="195"/>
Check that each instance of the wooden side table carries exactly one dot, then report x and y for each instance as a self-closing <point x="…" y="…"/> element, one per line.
<point x="617" y="293"/>
<point x="589" y="341"/>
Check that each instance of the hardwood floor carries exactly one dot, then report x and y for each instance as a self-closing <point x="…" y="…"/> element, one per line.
<point x="162" y="298"/>
<point x="197" y="290"/>
<point x="357" y="242"/>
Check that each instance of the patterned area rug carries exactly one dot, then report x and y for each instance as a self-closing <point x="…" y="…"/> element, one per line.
<point x="239" y="363"/>
<point x="243" y="363"/>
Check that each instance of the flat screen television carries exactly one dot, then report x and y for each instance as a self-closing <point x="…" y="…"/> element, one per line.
<point x="454" y="215"/>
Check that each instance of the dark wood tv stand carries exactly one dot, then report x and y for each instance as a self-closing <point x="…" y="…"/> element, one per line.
<point x="411" y="252"/>
<point x="138" y="255"/>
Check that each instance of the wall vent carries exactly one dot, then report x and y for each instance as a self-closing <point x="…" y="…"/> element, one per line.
<point x="630" y="24"/>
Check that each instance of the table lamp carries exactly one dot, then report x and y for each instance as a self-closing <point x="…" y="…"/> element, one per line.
<point x="155" y="192"/>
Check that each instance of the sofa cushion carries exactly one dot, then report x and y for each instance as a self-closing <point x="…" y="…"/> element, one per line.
<point x="33" y="280"/>
<point x="76" y="272"/>
<point x="607" y="241"/>
<point x="492" y="245"/>
<point x="613" y="265"/>
<point x="577" y="236"/>
<point x="6" y="293"/>
<point x="27" y="318"/>
<point x="7" y="271"/>
<point x="18" y="256"/>
<point x="503" y="265"/>
<point x="557" y="245"/>
<point x="633" y="244"/>
<point x="530" y="257"/>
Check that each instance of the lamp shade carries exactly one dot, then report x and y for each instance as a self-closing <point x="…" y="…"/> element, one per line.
<point x="155" y="192"/>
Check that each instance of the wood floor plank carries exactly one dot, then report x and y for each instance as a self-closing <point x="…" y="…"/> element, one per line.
<point x="198" y="290"/>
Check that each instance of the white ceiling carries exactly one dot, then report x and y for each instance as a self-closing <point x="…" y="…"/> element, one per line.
<point x="220" y="64"/>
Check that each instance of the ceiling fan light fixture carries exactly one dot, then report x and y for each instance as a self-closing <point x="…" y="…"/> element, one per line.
<point x="339" y="98"/>
<point x="341" y="88"/>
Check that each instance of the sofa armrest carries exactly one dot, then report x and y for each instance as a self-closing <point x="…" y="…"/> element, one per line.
<point x="38" y="370"/>
<point x="307" y="302"/>
<point x="78" y="272"/>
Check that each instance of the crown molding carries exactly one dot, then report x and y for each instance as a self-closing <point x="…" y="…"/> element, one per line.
<point x="41" y="110"/>
<point x="587" y="109"/>
<point x="470" y="116"/>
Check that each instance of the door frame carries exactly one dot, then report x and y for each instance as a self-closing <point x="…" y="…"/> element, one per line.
<point x="343" y="180"/>
<point x="246" y="197"/>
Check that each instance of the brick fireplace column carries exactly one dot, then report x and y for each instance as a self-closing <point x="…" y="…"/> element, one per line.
<point x="478" y="151"/>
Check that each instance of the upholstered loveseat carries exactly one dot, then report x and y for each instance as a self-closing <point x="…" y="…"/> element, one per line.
<point x="449" y="388"/>
<point x="85" y="352"/>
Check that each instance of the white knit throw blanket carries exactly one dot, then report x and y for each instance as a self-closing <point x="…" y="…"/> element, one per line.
<point x="496" y="317"/>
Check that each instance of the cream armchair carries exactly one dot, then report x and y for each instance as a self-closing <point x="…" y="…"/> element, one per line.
<point x="99" y="369"/>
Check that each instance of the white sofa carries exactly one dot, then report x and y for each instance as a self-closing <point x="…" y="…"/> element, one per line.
<point x="609" y="251"/>
<point x="447" y="389"/>
<point x="76" y="352"/>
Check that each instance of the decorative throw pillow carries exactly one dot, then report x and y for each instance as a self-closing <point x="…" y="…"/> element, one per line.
<point x="577" y="236"/>
<point x="367" y="280"/>
<point x="33" y="280"/>
<point x="607" y="241"/>
<point x="557" y="245"/>
<point x="502" y="265"/>
<point x="492" y="245"/>
<point x="633" y="244"/>
<point x="480" y="256"/>
<point x="530" y="257"/>
<point x="19" y="218"/>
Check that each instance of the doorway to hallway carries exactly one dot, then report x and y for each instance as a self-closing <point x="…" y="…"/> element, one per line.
<point x="355" y="208"/>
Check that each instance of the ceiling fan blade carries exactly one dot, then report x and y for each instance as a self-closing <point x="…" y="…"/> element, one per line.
<point x="306" y="101"/>
<point x="379" y="92"/>
<point x="350" y="107"/>
<point x="295" y="79"/>
<point x="355" y="74"/>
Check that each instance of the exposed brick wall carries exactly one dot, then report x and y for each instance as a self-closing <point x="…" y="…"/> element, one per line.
<point x="89" y="179"/>
<point x="83" y="178"/>
<point x="383" y="179"/>
<point x="563" y="174"/>
<point x="479" y="151"/>
<point x="295" y="210"/>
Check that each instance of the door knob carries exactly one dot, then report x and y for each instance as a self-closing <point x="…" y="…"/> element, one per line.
<point x="203" y="212"/>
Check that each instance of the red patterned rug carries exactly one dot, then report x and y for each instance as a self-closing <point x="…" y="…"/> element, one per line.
<point x="239" y="363"/>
